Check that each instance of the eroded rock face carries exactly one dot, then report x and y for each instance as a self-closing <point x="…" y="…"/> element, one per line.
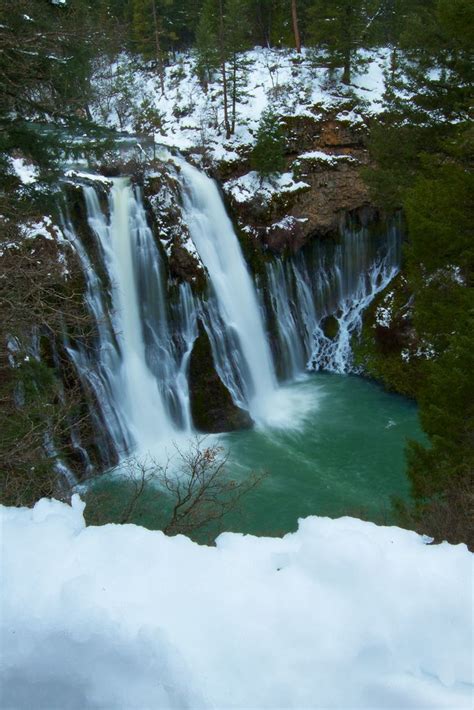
<point x="325" y="157"/>
<point x="212" y="407"/>
<point x="389" y="348"/>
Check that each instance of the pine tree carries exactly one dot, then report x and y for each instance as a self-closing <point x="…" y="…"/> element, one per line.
<point x="423" y="148"/>
<point x="340" y="28"/>
<point x="207" y="33"/>
<point x="221" y="37"/>
<point x="148" y="31"/>
<point x="268" y="155"/>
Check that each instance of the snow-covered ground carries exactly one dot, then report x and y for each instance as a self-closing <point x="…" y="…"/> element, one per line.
<point x="341" y="614"/>
<point x="192" y="119"/>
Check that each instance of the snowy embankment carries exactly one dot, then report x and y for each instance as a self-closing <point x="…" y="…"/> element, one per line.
<point x="341" y="614"/>
<point x="191" y="119"/>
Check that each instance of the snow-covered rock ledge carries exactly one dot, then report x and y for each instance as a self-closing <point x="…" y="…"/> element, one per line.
<point x="341" y="614"/>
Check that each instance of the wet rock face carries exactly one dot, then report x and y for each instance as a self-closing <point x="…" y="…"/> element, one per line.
<point x="330" y="327"/>
<point x="389" y="349"/>
<point x="212" y="407"/>
<point x="161" y="192"/>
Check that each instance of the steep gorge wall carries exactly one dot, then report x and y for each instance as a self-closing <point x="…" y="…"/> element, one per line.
<point x="325" y="155"/>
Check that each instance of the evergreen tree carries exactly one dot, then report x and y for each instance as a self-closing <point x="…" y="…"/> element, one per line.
<point x="221" y="38"/>
<point x="340" y="27"/>
<point x="148" y="31"/>
<point x="268" y="155"/>
<point x="45" y="63"/>
<point x="423" y="148"/>
<point x="207" y="40"/>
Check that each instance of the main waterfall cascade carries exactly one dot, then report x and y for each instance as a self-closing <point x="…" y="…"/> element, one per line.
<point x="137" y="370"/>
<point x="137" y="367"/>
<point x="246" y="366"/>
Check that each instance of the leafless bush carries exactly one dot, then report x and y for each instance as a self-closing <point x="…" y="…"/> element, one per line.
<point x="191" y="490"/>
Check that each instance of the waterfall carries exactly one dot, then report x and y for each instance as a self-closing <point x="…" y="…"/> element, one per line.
<point x="135" y="366"/>
<point x="328" y="279"/>
<point x="233" y="316"/>
<point x="137" y="369"/>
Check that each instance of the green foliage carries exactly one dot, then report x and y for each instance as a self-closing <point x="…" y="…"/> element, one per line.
<point x="207" y="41"/>
<point x="45" y="64"/>
<point x="378" y="349"/>
<point x="148" y="119"/>
<point x="422" y="147"/>
<point x="268" y="155"/>
<point x="339" y="27"/>
<point x="220" y="38"/>
<point x="29" y="396"/>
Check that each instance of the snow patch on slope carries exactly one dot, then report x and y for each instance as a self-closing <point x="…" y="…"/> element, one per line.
<point x="252" y="185"/>
<point x="26" y="172"/>
<point x="191" y="119"/>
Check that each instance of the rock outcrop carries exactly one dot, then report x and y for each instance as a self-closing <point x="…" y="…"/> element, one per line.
<point x="325" y="156"/>
<point x="212" y="407"/>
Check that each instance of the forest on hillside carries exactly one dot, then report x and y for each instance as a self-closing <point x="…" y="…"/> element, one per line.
<point x="63" y="63"/>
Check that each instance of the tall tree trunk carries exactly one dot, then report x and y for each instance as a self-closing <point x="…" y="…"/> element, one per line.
<point x="223" y="70"/>
<point x="393" y="63"/>
<point x="346" y="72"/>
<point x="296" y="32"/>
<point x="348" y="40"/>
<point x="159" y="55"/>
<point x="234" y="93"/>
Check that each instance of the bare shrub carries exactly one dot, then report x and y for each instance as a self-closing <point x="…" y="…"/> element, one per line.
<point x="191" y="492"/>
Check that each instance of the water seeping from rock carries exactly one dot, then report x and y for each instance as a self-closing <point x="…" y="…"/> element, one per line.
<point x="327" y="287"/>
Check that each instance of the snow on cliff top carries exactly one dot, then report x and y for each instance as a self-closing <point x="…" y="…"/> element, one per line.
<point x="252" y="185"/>
<point x="191" y="119"/>
<point x="341" y="614"/>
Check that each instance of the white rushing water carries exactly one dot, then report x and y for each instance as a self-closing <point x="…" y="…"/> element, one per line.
<point x="137" y="367"/>
<point x="328" y="280"/>
<point x="137" y="373"/>
<point x="237" y="303"/>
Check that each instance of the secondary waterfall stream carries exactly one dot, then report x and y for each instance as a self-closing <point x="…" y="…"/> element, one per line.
<point x="215" y="239"/>
<point x="137" y="368"/>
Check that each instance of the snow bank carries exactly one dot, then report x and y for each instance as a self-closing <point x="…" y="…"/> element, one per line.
<point x="341" y="614"/>
<point x="318" y="156"/>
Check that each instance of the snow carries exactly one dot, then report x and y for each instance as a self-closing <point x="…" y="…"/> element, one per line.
<point x="91" y="177"/>
<point x="320" y="156"/>
<point x="341" y="614"/>
<point x="43" y="228"/>
<point x="383" y="312"/>
<point x="288" y="222"/>
<point x="252" y="185"/>
<point x="192" y="120"/>
<point x="26" y="172"/>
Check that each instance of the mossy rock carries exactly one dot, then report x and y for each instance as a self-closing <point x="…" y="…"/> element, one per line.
<point x="330" y="326"/>
<point x="382" y="347"/>
<point x="212" y="407"/>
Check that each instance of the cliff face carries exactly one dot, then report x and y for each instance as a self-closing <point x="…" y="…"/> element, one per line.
<point x="325" y="155"/>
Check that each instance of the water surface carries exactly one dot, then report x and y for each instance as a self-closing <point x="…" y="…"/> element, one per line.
<point x="345" y="456"/>
<point x="336" y="448"/>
